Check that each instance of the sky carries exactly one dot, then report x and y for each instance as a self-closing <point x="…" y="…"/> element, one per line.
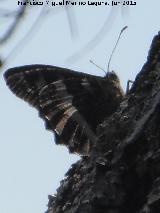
<point x="31" y="165"/>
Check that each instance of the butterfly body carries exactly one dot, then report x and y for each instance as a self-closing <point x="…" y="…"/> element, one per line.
<point x="72" y="103"/>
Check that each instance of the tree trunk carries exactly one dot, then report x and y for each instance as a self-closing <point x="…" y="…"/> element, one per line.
<point x="122" y="173"/>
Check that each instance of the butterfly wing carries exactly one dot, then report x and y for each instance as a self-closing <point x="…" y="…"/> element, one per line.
<point x="60" y="114"/>
<point x="71" y="103"/>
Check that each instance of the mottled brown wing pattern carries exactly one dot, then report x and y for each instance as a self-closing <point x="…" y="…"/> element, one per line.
<point x="71" y="103"/>
<point x="56" y="107"/>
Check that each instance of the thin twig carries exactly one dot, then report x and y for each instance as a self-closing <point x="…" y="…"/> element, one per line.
<point x="14" y="25"/>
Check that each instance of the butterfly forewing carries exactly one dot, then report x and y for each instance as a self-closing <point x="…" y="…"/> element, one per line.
<point x="71" y="103"/>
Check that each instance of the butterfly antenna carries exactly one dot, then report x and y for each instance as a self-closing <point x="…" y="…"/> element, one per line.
<point x="97" y="66"/>
<point x="124" y="28"/>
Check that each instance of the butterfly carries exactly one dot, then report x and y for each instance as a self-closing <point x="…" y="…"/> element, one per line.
<point x="71" y="103"/>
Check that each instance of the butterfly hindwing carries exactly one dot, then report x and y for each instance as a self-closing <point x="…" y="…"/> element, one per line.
<point x="56" y="107"/>
<point x="71" y="103"/>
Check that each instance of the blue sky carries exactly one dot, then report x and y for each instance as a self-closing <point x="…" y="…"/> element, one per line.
<point x="31" y="165"/>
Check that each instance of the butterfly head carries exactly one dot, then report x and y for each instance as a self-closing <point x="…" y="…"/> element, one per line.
<point x="112" y="76"/>
<point x="114" y="85"/>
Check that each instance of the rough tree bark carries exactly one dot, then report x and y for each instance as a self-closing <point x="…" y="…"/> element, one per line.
<point x="122" y="173"/>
